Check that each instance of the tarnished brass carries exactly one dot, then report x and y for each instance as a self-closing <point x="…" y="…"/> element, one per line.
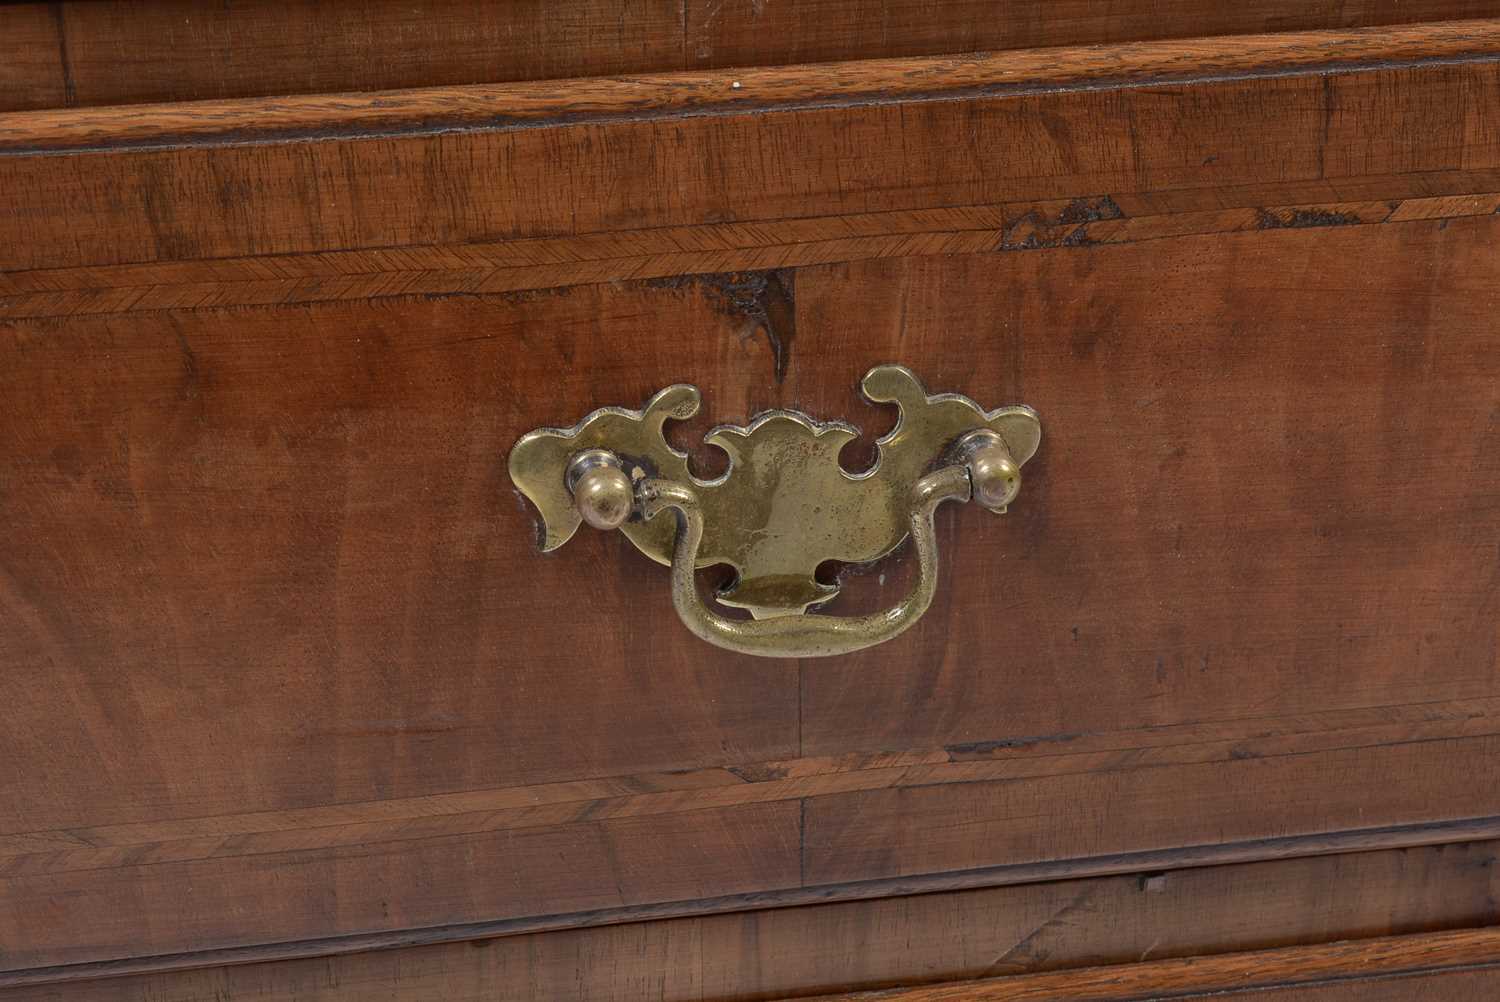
<point x="784" y="506"/>
<point x="601" y="489"/>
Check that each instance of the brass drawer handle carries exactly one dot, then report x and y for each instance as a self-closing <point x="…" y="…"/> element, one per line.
<point x="785" y="505"/>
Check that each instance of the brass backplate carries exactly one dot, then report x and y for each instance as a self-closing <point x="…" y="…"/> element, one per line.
<point x="785" y="505"/>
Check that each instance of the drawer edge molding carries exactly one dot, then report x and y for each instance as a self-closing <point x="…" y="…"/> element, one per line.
<point x="1328" y="844"/>
<point x="262" y="191"/>
<point x="644" y="97"/>
<point x="1255" y="971"/>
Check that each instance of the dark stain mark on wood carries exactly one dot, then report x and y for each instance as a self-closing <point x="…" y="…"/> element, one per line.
<point x="364" y="276"/>
<point x="1090" y="210"/>
<point x="1068" y="227"/>
<point x="983" y="749"/>
<point x="765" y="302"/>
<point x="762" y="772"/>
<point x="761" y="302"/>
<point x="1296" y="219"/>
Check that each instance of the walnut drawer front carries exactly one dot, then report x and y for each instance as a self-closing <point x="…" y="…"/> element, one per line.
<point x="285" y="671"/>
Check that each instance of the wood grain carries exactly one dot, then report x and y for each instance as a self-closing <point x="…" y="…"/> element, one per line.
<point x="1464" y="985"/>
<point x="1349" y="132"/>
<point x="309" y="499"/>
<point x="869" y="835"/>
<point x="864" y="945"/>
<point x="418" y="884"/>
<point x="316" y="508"/>
<point x="249" y="406"/>
<point x="1296" y="847"/>
<point x="397" y="820"/>
<point x="837" y="85"/>
<point x="517" y="265"/>
<point x="1357" y="961"/>
<point x="747" y="33"/>
<point x="1209" y="519"/>
<point x="284" y="675"/>
<point x="177" y="50"/>
<point x="33" y="71"/>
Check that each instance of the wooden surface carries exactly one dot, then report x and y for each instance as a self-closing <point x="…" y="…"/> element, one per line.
<point x="850" y="85"/>
<point x="1361" y="135"/>
<point x="728" y="249"/>
<point x="284" y="672"/>
<point x="863" y="945"/>
<point x="1279" y="970"/>
<point x="1029" y="929"/>
<point x="1475" y="985"/>
<point x="1047" y="927"/>
<point x="745" y="32"/>
<point x="83" y="53"/>
<point x="311" y="497"/>
<point x="86" y="53"/>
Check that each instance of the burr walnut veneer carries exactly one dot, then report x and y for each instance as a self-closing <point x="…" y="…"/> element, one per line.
<point x="292" y="705"/>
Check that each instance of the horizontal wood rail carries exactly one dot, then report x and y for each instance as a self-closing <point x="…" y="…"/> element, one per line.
<point x="533" y="104"/>
<point x="1355" y="961"/>
<point x="1384" y="955"/>
<point x="1464" y="724"/>
<point x="497" y="268"/>
<point x="566" y="179"/>
<point x="259" y="47"/>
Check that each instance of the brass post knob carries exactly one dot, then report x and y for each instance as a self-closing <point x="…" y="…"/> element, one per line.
<point x="994" y="473"/>
<point x="601" y="489"/>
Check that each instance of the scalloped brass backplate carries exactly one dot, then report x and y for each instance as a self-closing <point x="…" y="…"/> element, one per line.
<point x="785" y="504"/>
